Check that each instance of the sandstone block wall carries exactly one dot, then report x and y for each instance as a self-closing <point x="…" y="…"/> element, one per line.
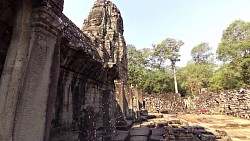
<point x="169" y="103"/>
<point x="230" y="102"/>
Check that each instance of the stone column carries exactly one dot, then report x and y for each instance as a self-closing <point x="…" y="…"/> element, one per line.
<point x="119" y="88"/>
<point x="28" y="77"/>
<point x="40" y="75"/>
<point x="108" y="114"/>
<point x="14" y="68"/>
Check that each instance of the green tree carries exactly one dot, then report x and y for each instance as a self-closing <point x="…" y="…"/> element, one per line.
<point x="169" y="49"/>
<point x="235" y="42"/>
<point x="234" y="48"/>
<point x="202" y="53"/>
<point x="195" y="76"/>
<point x="143" y="73"/>
<point x="225" y="77"/>
<point x="136" y="63"/>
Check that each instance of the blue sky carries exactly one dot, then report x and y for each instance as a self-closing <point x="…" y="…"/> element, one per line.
<point x="148" y="22"/>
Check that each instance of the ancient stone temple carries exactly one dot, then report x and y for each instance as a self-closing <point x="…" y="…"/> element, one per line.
<point x="59" y="82"/>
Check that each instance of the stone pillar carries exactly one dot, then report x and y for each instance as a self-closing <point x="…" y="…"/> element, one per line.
<point x="32" y="104"/>
<point x="128" y="101"/>
<point x="14" y="68"/>
<point x="120" y="96"/>
<point x="140" y="98"/>
<point x="28" y="76"/>
<point x="108" y="114"/>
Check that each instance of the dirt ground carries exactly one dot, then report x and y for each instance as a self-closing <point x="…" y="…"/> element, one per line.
<point x="237" y="128"/>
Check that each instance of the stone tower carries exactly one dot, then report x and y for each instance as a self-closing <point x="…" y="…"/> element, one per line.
<point x="104" y="26"/>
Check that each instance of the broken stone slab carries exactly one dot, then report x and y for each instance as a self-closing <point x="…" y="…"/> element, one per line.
<point x="129" y="123"/>
<point x="221" y="133"/>
<point x="183" y="136"/>
<point x="144" y="131"/>
<point x="170" y="137"/>
<point x="138" y="138"/>
<point x="169" y="130"/>
<point x="159" y="116"/>
<point x="151" y="125"/>
<point x="205" y="135"/>
<point x="175" y="121"/>
<point x="208" y="137"/>
<point x="150" y="116"/>
<point x="121" y="137"/>
<point x="161" y="123"/>
<point x="156" y="138"/>
<point x="159" y="131"/>
<point x="122" y="131"/>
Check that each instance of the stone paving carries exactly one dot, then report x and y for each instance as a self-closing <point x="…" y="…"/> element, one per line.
<point x="237" y="128"/>
<point x="167" y="128"/>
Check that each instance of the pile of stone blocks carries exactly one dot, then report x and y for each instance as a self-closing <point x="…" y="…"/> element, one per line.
<point x="231" y="102"/>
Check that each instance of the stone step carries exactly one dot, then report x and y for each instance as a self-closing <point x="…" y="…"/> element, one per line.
<point x="121" y="137"/>
<point x="143" y="131"/>
<point x="159" y="131"/>
<point x="155" y="138"/>
<point x="138" y="138"/>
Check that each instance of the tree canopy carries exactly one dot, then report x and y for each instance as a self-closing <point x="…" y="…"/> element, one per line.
<point x="234" y="48"/>
<point x="149" y="71"/>
<point x="202" y="53"/>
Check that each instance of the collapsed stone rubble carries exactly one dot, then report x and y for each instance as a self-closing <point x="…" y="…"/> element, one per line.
<point x="169" y="128"/>
<point x="229" y="102"/>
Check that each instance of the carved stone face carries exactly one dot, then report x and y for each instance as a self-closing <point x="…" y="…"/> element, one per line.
<point x="96" y="17"/>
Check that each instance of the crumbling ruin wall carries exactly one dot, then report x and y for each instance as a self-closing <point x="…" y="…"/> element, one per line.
<point x="226" y="102"/>
<point x="91" y="59"/>
<point x="130" y="99"/>
<point x="229" y="102"/>
<point x="168" y="103"/>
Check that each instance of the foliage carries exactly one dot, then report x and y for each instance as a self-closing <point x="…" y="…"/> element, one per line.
<point x="195" y="76"/>
<point x="168" y="49"/>
<point x="234" y="48"/>
<point x="142" y="72"/>
<point x="235" y="43"/>
<point x="147" y="67"/>
<point x="225" y="78"/>
<point x="202" y="53"/>
<point x="196" y="73"/>
<point x="156" y="82"/>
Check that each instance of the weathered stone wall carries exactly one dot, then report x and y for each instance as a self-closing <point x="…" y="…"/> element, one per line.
<point x="170" y="103"/>
<point x="57" y="78"/>
<point x="230" y="102"/>
<point x="6" y="24"/>
<point x="91" y="59"/>
<point x="29" y="67"/>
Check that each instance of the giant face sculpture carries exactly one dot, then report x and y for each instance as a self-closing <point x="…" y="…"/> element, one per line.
<point x="96" y="17"/>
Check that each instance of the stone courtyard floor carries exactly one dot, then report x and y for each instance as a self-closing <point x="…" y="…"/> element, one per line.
<point x="237" y="128"/>
<point x="188" y="128"/>
<point x="184" y="127"/>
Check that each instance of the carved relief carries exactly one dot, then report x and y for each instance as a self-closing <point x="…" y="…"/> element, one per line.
<point x="104" y="26"/>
